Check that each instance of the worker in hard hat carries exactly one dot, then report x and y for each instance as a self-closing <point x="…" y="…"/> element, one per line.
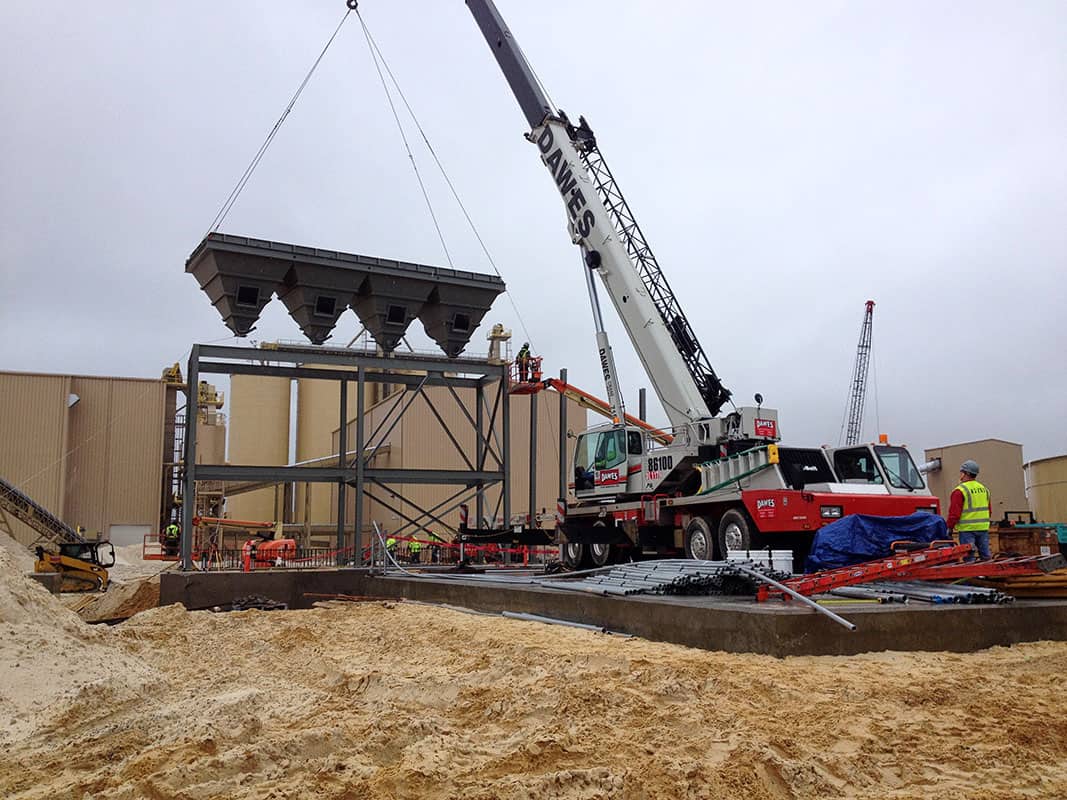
<point x="969" y="510"/>
<point x="171" y="538"/>
<point x="523" y="360"/>
<point x="414" y="549"/>
<point x="390" y="545"/>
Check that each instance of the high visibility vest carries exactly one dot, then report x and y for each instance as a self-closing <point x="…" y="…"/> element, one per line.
<point x="415" y="546"/>
<point x="172" y="531"/>
<point x="390" y="543"/>
<point x="975" y="515"/>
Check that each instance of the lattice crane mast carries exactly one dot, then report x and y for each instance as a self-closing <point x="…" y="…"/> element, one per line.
<point x="858" y="388"/>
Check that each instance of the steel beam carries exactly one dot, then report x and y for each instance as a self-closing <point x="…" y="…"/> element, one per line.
<point x="318" y="355"/>
<point x="433" y="378"/>
<point x="191" y="476"/>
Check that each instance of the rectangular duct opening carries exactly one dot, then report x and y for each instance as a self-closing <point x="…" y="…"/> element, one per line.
<point x="326" y="306"/>
<point x="396" y="315"/>
<point x="248" y="296"/>
<point x="461" y="323"/>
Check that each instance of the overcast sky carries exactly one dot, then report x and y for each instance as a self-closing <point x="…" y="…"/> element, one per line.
<point x="787" y="161"/>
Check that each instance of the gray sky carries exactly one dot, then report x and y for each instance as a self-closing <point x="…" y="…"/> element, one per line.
<point x="787" y="161"/>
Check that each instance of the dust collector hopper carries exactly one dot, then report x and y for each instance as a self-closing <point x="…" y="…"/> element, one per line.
<point x="240" y="275"/>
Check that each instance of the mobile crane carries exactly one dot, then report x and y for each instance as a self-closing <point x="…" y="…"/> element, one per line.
<point x="717" y="483"/>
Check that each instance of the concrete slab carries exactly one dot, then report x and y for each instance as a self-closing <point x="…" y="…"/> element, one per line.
<point x="731" y="624"/>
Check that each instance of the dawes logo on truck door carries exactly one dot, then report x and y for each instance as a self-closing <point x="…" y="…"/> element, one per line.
<point x="566" y="183"/>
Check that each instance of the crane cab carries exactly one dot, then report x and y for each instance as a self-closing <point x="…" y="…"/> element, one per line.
<point x="885" y="465"/>
<point x="606" y="458"/>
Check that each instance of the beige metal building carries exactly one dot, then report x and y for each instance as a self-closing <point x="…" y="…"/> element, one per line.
<point x="1001" y="466"/>
<point x="1046" y="488"/>
<point x="89" y="449"/>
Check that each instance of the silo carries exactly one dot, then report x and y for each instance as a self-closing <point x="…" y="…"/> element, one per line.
<point x="258" y="436"/>
<point x="1046" y="488"/>
<point x="317" y="407"/>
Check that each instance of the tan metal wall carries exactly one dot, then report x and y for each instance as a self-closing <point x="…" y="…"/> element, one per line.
<point x="258" y="435"/>
<point x="1046" y="488"/>
<point x="1001" y="466"/>
<point x="97" y="463"/>
<point x="419" y="442"/>
<point x="210" y="443"/>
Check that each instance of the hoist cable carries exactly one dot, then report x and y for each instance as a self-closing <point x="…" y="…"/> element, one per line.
<point x="404" y="138"/>
<point x="243" y="180"/>
<point x="447" y="179"/>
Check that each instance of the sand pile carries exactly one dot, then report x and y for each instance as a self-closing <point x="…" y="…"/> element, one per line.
<point x="50" y="659"/>
<point x="402" y="701"/>
<point x="130" y="566"/>
<point x="22" y="558"/>
<point x="120" y="601"/>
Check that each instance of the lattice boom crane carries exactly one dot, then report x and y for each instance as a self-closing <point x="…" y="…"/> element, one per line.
<point x="858" y="392"/>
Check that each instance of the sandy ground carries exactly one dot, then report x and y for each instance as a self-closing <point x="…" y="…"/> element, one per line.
<point x="382" y="700"/>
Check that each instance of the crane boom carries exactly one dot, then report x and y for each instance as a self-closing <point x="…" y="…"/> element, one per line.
<point x="858" y="391"/>
<point x="612" y="244"/>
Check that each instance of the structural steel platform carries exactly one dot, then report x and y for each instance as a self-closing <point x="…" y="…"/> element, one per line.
<point x="711" y="623"/>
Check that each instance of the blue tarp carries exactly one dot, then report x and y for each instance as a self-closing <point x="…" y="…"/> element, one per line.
<point x="860" y="537"/>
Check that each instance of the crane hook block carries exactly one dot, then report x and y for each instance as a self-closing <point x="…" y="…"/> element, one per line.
<point x="352" y="4"/>
<point x="592" y="259"/>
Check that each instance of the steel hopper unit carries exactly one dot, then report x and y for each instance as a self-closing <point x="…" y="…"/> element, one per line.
<point x="240" y="275"/>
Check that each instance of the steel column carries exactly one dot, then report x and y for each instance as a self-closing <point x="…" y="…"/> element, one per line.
<point x="506" y="421"/>
<point x="361" y="386"/>
<point x="189" y="493"/>
<point x="342" y="450"/>
<point x="480" y="448"/>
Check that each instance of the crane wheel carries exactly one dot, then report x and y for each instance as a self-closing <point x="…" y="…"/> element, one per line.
<point x="699" y="539"/>
<point x="601" y="554"/>
<point x="573" y="555"/>
<point x="735" y="532"/>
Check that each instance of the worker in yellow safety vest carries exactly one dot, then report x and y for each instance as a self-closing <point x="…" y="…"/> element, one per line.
<point x="414" y="548"/>
<point x="969" y="510"/>
<point x="171" y="538"/>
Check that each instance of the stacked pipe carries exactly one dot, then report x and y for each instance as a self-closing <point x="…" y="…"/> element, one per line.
<point x="671" y="577"/>
<point x="939" y="593"/>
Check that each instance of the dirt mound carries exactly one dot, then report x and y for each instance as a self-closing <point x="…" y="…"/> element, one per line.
<point x="50" y="659"/>
<point x="380" y="700"/>
<point x="22" y="557"/>
<point x="121" y="601"/>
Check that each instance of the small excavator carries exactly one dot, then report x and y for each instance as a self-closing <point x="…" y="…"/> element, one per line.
<point x="82" y="565"/>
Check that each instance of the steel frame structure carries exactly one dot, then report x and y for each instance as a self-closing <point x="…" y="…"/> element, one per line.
<point x="489" y="465"/>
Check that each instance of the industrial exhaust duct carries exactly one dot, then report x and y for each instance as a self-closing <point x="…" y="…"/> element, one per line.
<point x="240" y="275"/>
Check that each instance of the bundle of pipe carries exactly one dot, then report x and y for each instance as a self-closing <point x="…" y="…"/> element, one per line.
<point x="930" y="592"/>
<point x="671" y="577"/>
<point x="866" y="593"/>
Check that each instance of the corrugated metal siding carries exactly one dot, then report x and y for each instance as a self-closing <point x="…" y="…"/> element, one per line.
<point x="258" y="435"/>
<point x="1002" y="473"/>
<point x="95" y="464"/>
<point x="32" y="439"/>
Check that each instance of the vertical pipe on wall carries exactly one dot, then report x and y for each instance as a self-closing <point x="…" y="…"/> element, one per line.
<point x="562" y="438"/>
<point x="533" y="460"/>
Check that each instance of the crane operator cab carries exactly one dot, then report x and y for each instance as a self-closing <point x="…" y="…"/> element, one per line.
<point x="605" y="458"/>
<point x="878" y="465"/>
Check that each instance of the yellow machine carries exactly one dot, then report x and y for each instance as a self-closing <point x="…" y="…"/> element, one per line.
<point x="83" y="565"/>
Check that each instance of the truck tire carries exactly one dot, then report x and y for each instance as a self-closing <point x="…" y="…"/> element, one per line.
<point x="573" y="555"/>
<point x="700" y="539"/>
<point x="735" y="532"/>
<point x="601" y="554"/>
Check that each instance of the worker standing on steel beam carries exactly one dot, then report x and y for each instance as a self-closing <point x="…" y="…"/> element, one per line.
<point x="969" y="510"/>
